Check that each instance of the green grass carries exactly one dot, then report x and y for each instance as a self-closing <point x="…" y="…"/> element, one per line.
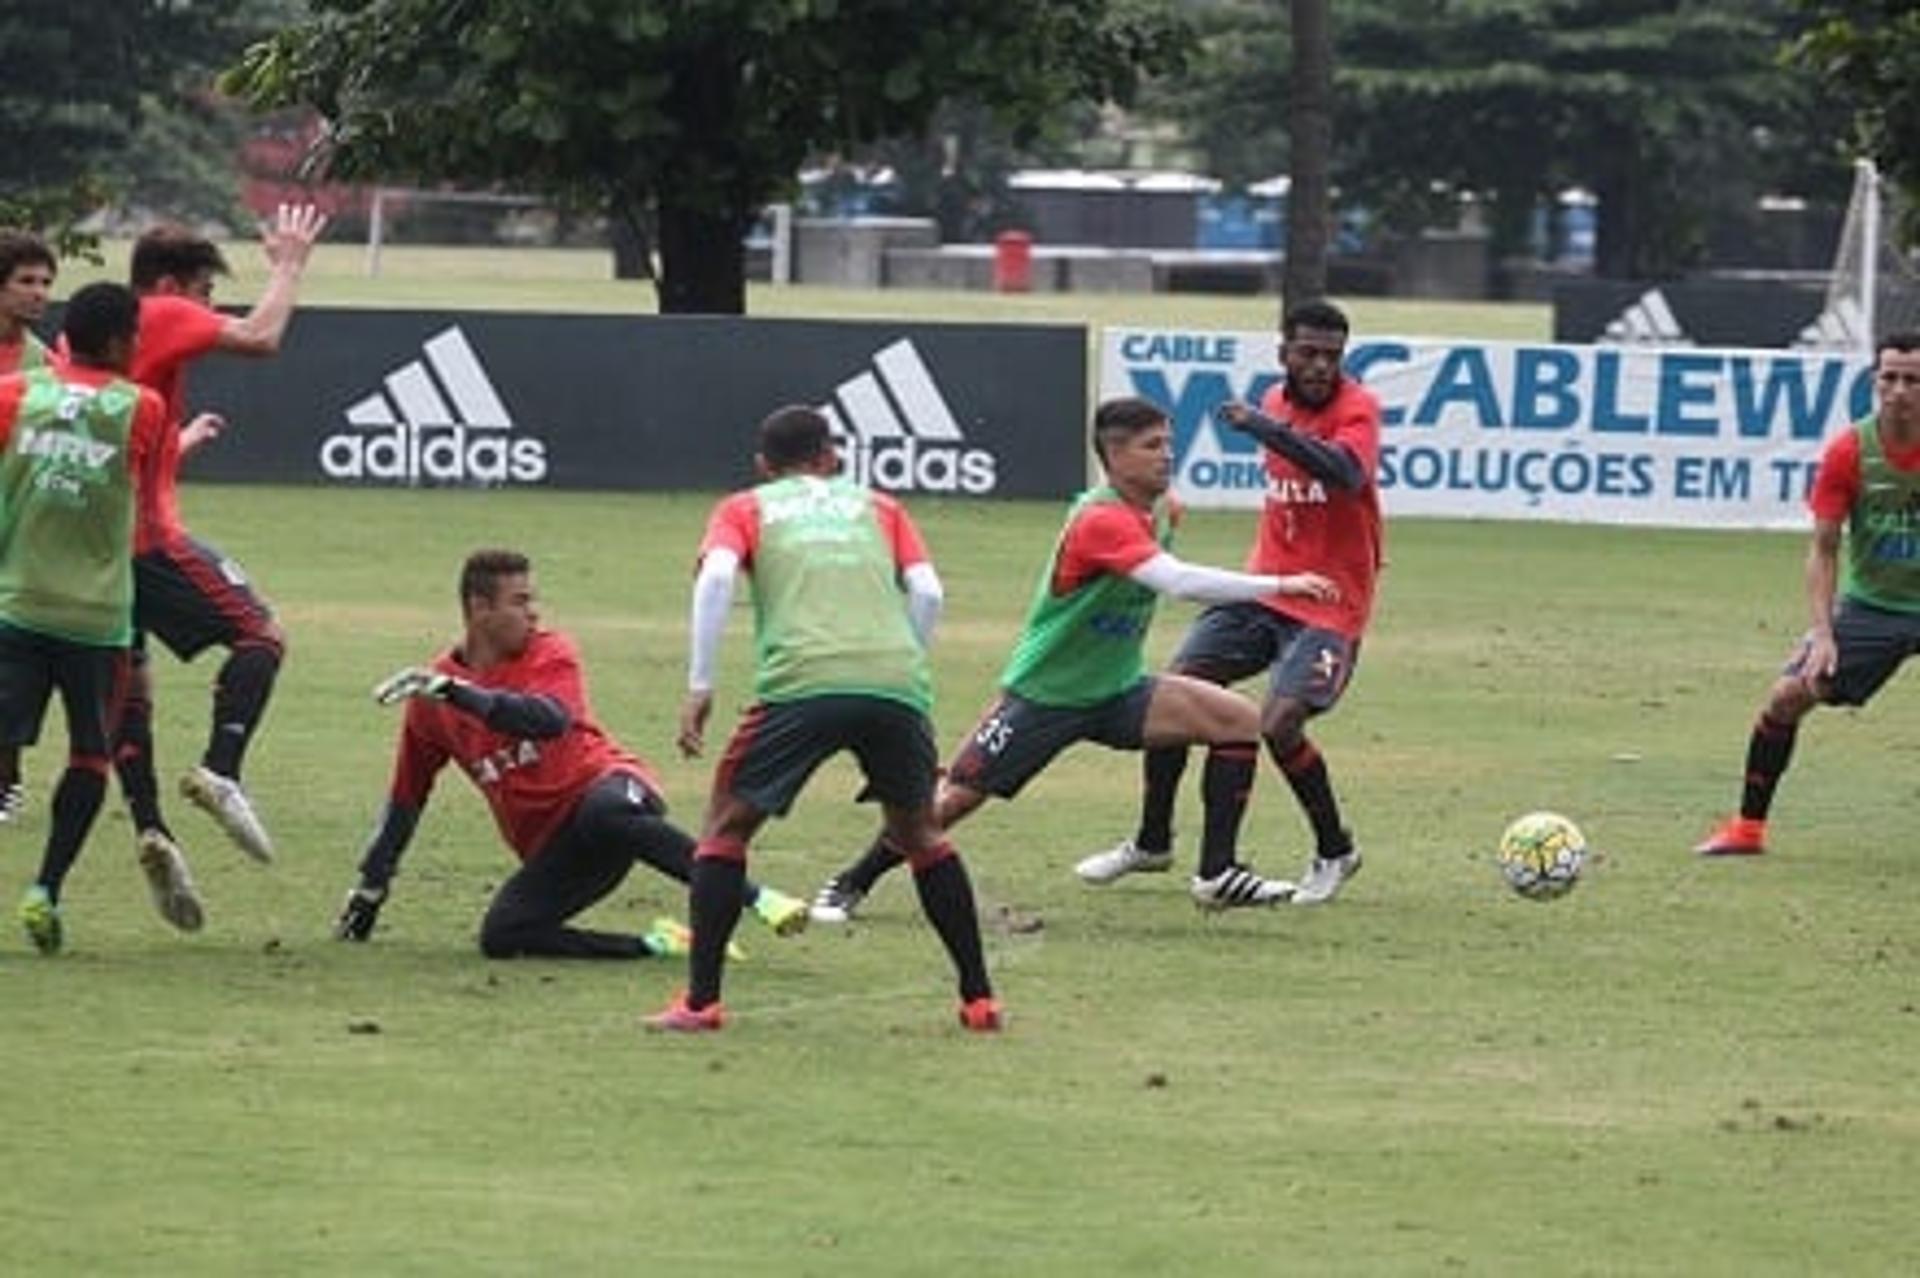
<point x="579" y="281"/>
<point x="1683" y="1067"/>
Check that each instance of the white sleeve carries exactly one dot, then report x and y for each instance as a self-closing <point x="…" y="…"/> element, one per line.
<point x="712" y="597"/>
<point x="1172" y="576"/>
<point x="925" y="597"/>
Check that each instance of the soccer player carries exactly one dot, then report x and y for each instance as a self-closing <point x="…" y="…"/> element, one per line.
<point x="1319" y="433"/>
<point x="75" y="443"/>
<point x="508" y="704"/>
<point x="845" y="601"/>
<point x="186" y="591"/>
<point x="1078" y="670"/>
<point x="1864" y="605"/>
<point x="27" y="268"/>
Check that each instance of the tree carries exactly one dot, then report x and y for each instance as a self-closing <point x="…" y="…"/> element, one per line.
<point x="697" y="113"/>
<point x="1310" y="112"/>
<point x="1867" y="54"/>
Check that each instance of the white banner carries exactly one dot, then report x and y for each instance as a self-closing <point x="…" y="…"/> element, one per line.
<point x="1503" y="430"/>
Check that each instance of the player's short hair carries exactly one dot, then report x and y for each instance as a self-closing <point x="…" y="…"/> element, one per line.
<point x="793" y="436"/>
<point x="23" y="248"/>
<point x="480" y="575"/>
<point x="1318" y="313"/>
<point x="1905" y="342"/>
<point x="1121" y="419"/>
<point x="171" y="251"/>
<point x="96" y="317"/>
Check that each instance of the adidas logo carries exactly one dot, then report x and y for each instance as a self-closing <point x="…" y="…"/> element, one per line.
<point x="1647" y="322"/>
<point x="437" y="420"/>
<point x="896" y="432"/>
<point x="1842" y="326"/>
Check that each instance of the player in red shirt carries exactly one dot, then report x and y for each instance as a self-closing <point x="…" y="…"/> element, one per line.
<point x="1862" y="584"/>
<point x="1320" y="441"/>
<point x="186" y="592"/>
<point x="27" y="268"/>
<point x="509" y="706"/>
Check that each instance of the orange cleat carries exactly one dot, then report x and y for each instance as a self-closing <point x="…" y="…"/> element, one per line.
<point x="1735" y="836"/>
<point x="680" y="1018"/>
<point x="981" y="1015"/>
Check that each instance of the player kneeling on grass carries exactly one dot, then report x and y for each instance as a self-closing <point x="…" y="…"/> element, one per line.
<point x="509" y="705"/>
<point x="1078" y="670"/>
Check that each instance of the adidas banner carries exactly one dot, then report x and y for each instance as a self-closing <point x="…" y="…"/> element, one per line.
<point x="1722" y="313"/>
<point x="484" y="399"/>
<point x="1508" y="431"/>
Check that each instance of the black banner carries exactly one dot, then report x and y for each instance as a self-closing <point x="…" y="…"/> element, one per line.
<point x="1718" y="313"/>
<point x="503" y="399"/>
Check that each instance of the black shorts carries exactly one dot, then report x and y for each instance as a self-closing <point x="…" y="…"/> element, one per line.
<point x="1017" y="738"/>
<point x="779" y="744"/>
<point x="92" y="681"/>
<point x="194" y="598"/>
<point x="1230" y="642"/>
<point x="1870" y="644"/>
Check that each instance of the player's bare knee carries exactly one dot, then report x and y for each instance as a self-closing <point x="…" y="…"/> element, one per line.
<point x="1282" y="722"/>
<point x="1791" y="697"/>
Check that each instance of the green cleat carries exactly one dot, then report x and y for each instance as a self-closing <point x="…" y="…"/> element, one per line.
<point x="668" y="938"/>
<point x="785" y="915"/>
<point x="41" y="918"/>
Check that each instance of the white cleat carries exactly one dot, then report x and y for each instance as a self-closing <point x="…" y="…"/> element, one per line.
<point x="1120" y="860"/>
<point x="1238" y="886"/>
<point x="174" y="895"/>
<point x="1325" y="877"/>
<point x="835" y="903"/>
<point x="222" y="799"/>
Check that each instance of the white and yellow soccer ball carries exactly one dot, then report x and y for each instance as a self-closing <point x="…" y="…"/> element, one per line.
<point x="1541" y="855"/>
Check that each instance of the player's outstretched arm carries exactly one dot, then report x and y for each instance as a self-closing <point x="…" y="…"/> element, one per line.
<point x="1170" y="575"/>
<point x="1327" y="462"/>
<point x="518" y="714"/>
<point x="361" y="909"/>
<point x="288" y="242"/>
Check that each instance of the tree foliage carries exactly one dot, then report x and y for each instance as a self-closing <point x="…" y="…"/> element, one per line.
<point x="1866" y="53"/>
<point x="701" y="112"/>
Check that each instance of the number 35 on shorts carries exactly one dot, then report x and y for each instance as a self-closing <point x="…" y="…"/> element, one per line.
<point x="993" y="734"/>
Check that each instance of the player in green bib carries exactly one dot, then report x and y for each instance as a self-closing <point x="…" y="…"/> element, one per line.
<point x="74" y="445"/>
<point x="1862" y="585"/>
<point x="1078" y="670"/>
<point x="844" y="603"/>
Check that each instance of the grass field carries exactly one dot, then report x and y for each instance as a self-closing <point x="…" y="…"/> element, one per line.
<point x="578" y="281"/>
<point x="1685" y="1067"/>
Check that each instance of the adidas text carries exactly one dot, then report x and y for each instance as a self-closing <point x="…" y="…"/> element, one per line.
<point x="909" y="465"/>
<point x="446" y="454"/>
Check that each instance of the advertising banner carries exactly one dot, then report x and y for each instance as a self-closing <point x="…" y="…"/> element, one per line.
<point x="1498" y="430"/>
<point x="363" y="397"/>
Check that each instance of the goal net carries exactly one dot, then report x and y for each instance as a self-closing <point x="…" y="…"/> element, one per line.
<point x="1875" y="286"/>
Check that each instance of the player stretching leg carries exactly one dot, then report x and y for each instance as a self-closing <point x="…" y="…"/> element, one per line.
<point x="186" y="592"/>
<point x="845" y="601"/>
<point x="1078" y="669"/>
<point x="75" y="443"/>
<point x="1865" y="498"/>
<point x="509" y="705"/>
<point x="1320" y="443"/>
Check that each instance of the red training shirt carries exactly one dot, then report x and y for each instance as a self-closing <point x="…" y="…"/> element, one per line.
<point x="174" y="331"/>
<point x="1836" y="483"/>
<point x="1106" y="537"/>
<point x="531" y="786"/>
<point x="1306" y="526"/>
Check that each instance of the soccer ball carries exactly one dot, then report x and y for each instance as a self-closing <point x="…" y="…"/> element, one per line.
<point x="1541" y="855"/>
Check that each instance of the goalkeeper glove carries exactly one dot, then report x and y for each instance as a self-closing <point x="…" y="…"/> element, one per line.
<point x="359" y="914"/>
<point x="413" y="682"/>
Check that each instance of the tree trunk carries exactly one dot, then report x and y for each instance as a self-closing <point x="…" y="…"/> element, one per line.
<point x="1310" y="122"/>
<point x="632" y="240"/>
<point x="703" y="261"/>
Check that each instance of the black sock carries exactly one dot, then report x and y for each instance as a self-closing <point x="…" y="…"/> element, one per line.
<point x="1769" y="750"/>
<point x="946" y="898"/>
<point x="715" y="910"/>
<point x="76" y="802"/>
<point x="9" y="768"/>
<point x="879" y="858"/>
<point x="133" y="760"/>
<point x="1306" y="771"/>
<point x="1224" y="785"/>
<point x="240" y="693"/>
<point x="1160" y="770"/>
